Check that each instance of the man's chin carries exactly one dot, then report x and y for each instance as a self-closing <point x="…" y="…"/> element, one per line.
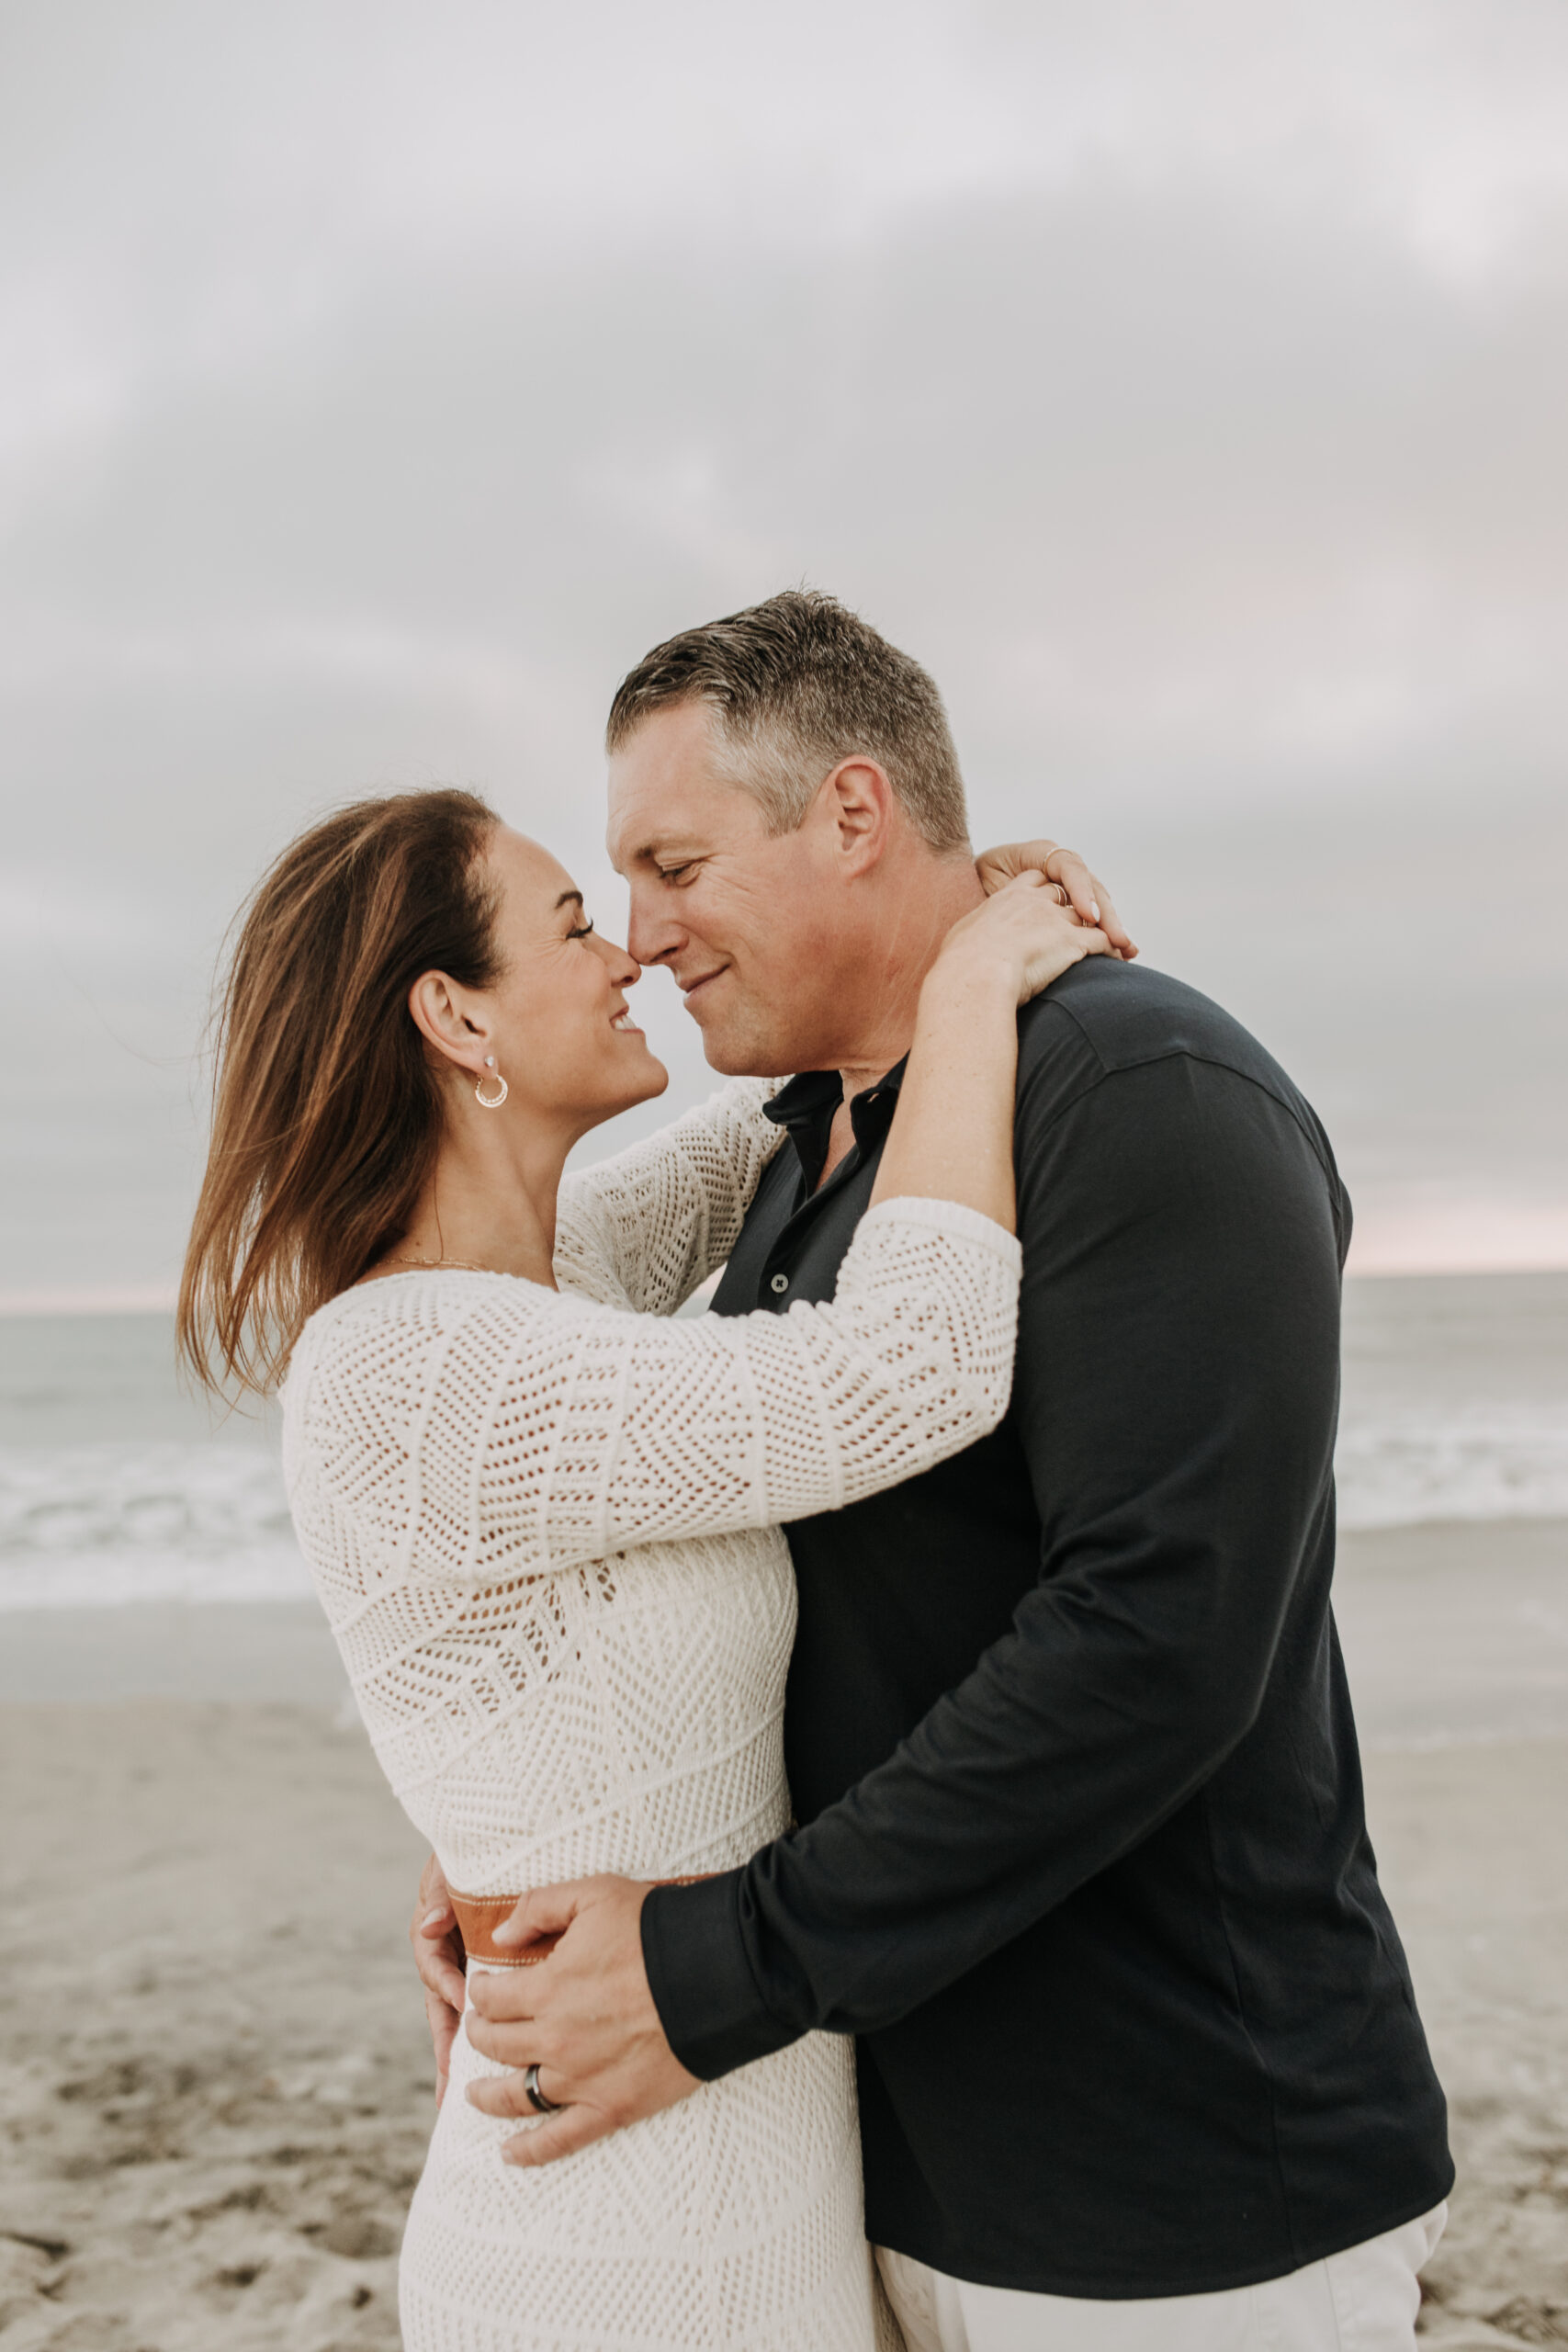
<point x="737" y="1048"/>
<point x="726" y="1061"/>
<point x="734" y="1056"/>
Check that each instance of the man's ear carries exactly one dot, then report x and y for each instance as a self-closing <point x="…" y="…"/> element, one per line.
<point x="439" y="1011"/>
<point x="859" y="802"/>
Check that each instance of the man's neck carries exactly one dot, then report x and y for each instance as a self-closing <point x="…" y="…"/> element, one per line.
<point x="888" y="991"/>
<point x="941" y="891"/>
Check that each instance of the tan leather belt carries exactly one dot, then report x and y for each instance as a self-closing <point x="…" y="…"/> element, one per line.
<point x="479" y="1916"/>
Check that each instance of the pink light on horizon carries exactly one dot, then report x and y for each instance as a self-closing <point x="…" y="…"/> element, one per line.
<point x="1435" y="1231"/>
<point x="127" y="1298"/>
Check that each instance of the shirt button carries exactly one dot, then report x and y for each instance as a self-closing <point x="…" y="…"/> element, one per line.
<point x="779" y="1284"/>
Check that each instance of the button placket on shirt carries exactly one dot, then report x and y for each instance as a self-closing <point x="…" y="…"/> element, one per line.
<point x="871" y="1115"/>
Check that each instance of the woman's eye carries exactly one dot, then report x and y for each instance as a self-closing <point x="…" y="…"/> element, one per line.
<point x="581" y="931"/>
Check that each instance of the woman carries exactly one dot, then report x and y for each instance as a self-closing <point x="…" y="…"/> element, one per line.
<point x="542" y="1515"/>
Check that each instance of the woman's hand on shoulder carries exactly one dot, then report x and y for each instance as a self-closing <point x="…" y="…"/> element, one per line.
<point x="1025" y="936"/>
<point x="1085" y="890"/>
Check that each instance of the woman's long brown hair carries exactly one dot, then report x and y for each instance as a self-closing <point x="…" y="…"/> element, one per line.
<point x="326" y="1116"/>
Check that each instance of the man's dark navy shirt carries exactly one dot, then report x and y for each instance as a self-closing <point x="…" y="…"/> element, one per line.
<point x="1083" y="1858"/>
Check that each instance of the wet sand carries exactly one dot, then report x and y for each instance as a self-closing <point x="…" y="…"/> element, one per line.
<point x="214" y="2079"/>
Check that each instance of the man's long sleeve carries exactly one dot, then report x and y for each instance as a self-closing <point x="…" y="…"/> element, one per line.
<point x="1175" y="1397"/>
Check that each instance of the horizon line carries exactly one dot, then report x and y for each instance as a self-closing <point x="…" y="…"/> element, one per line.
<point x="153" y="1298"/>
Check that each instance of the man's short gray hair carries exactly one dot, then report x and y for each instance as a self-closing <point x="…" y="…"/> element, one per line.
<point x="797" y="684"/>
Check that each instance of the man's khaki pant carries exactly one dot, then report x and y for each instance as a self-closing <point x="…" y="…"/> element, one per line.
<point x="1364" y="2300"/>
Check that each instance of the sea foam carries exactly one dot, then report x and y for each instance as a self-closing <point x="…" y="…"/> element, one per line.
<point x="82" y="1526"/>
<point x="114" y="1488"/>
<point x="85" y="1526"/>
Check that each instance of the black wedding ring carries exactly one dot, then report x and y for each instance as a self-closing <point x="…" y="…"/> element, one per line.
<point x="535" y="2097"/>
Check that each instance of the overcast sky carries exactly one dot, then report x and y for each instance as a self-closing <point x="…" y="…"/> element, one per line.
<point x="1185" y="385"/>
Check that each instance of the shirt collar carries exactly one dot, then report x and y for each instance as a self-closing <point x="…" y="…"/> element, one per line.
<point x="815" y="1094"/>
<point x="805" y="1108"/>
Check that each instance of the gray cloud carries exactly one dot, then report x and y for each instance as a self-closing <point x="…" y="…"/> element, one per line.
<point x="1185" y="387"/>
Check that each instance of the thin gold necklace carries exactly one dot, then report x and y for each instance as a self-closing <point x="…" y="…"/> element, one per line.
<point x="430" y="1265"/>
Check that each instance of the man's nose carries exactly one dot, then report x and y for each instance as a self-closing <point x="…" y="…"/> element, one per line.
<point x="652" y="933"/>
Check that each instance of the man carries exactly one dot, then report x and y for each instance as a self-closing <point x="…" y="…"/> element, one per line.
<point x="1082" y="1859"/>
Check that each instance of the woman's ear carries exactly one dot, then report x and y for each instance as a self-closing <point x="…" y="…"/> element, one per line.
<point x="437" y="1008"/>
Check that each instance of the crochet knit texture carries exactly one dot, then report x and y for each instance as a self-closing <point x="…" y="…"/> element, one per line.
<point x="545" y="1528"/>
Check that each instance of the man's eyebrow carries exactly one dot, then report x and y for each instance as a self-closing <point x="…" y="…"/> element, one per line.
<point x="565" y="898"/>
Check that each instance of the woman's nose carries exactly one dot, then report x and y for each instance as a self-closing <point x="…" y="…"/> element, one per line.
<point x="624" y="969"/>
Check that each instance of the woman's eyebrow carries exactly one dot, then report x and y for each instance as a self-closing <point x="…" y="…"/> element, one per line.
<point x="567" y="899"/>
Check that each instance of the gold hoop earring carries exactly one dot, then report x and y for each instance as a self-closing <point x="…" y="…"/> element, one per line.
<point x="489" y="1102"/>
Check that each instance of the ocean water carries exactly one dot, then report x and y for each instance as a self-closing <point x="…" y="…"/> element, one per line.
<point x="116" y="1487"/>
<point x="1455" y="1401"/>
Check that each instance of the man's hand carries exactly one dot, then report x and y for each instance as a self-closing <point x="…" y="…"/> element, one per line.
<point x="1087" y="895"/>
<point x="439" y="1958"/>
<point x="584" y="2016"/>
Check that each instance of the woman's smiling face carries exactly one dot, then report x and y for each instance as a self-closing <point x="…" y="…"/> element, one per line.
<point x="559" y="1024"/>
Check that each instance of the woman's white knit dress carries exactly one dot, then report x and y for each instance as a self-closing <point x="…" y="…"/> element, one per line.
<point x="545" y="1527"/>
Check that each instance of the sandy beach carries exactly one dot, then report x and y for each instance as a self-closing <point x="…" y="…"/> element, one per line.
<point x="216" y="2077"/>
<point x="215" y="2084"/>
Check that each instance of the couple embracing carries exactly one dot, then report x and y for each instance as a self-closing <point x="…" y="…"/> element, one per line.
<point x="890" y="1726"/>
